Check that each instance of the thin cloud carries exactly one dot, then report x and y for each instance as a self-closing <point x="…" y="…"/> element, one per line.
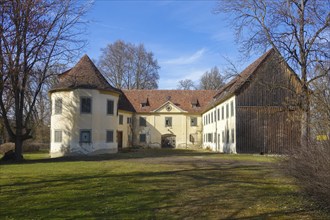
<point x="186" y="59"/>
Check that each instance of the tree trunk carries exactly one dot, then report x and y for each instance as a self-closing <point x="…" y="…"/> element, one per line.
<point x="18" y="149"/>
<point x="305" y="118"/>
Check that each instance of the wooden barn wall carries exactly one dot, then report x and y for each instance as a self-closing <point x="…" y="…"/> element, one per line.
<point x="269" y="130"/>
<point x="264" y="122"/>
<point x="270" y="85"/>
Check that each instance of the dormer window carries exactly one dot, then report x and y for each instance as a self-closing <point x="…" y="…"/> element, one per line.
<point x="145" y="103"/>
<point x="195" y="103"/>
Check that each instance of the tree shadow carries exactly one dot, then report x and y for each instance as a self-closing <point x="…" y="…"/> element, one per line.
<point x="191" y="188"/>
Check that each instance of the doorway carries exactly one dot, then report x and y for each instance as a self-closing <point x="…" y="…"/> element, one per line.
<point x="168" y="141"/>
<point x="120" y="140"/>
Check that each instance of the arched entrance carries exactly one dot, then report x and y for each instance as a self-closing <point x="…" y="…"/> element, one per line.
<point x="168" y="141"/>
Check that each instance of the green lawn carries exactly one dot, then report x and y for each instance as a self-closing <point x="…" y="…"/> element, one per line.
<point x="150" y="184"/>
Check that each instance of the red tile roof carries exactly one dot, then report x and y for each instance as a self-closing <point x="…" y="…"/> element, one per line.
<point x="184" y="99"/>
<point x="83" y="75"/>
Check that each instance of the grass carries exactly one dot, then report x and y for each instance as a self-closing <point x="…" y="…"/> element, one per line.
<point x="150" y="184"/>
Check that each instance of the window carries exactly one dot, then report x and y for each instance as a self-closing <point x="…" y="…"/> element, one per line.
<point x="109" y="137"/>
<point x="227" y="136"/>
<point x="145" y="103"/>
<point x="121" y="119"/>
<point x="58" y="136"/>
<point x="143" y="138"/>
<point x="143" y="122"/>
<point x="85" y="136"/>
<point x="215" y="115"/>
<point x="192" y="138"/>
<point x="193" y="121"/>
<point x="218" y="114"/>
<point x="232" y="136"/>
<point x="168" y="121"/>
<point x="209" y="137"/>
<point x="227" y="111"/>
<point x="85" y="105"/>
<point x="58" y="106"/>
<point x="223" y="112"/>
<point x="223" y="137"/>
<point x="232" y="108"/>
<point x="211" y="117"/>
<point x="129" y="120"/>
<point x="110" y="107"/>
<point x="215" y="138"/>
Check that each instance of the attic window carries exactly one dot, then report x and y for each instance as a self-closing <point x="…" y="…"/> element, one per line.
<point x="145" y="103"/>
<point x="195" y="103"/>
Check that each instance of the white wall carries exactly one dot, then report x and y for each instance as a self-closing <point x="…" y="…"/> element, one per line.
<point x="126" y="128"/>
<point x="71" y="121"/>
<point x="218" y="127"/>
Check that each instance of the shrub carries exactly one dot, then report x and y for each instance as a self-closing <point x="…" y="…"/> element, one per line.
<point x="6" y="147"/>
<point x="310" y="166"/>
<point x="31" y="147"/>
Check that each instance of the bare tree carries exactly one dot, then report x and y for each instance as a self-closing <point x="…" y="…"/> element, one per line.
<point x="186" y="84"/>
<point x="212" y="80"/>
<point x="296" y="29"/>
<point x="128" y="66"/>
<point x="33" y="36"/>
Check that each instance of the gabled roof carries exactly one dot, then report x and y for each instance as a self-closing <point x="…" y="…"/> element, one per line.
<point x="167" y="104"/>
<point x="235" y="84"/>
<point x="83" y="75"/>
<point x="184" y="99"/>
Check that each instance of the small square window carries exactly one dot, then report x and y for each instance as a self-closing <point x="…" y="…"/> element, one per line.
<point x="121" y="119"/>
<point x="143" y="138"/>
<point x="109" y="136"/>
<point x="58" y="136"/>
<point x="58" y="106"/>
<point x="168" y="121"/>
<point x="85" y="136"/>
<point x="110" y="107"/>
<point x="86" y="105"/>
<point x="193" y="121"/>
<point x="143" y="122"/>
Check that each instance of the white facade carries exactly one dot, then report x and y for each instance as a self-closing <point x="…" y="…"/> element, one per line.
<point x="187" y="133"/>
<point x="83" y="130"/>
<point x="219" y="127"/>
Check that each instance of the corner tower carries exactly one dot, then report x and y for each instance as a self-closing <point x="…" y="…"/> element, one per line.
<point x="84" y="112"/>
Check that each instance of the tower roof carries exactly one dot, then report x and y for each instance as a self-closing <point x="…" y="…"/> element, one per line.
<point x="83" y="75"/>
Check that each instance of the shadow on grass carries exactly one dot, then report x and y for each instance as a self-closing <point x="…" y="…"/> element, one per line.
<point x="131" y="154"/>
<point x="197" y="190"/>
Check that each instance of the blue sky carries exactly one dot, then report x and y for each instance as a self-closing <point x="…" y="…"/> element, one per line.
<point x="186" y="38"/>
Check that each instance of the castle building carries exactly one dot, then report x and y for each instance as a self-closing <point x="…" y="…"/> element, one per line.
<point x="247" y="115"/>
